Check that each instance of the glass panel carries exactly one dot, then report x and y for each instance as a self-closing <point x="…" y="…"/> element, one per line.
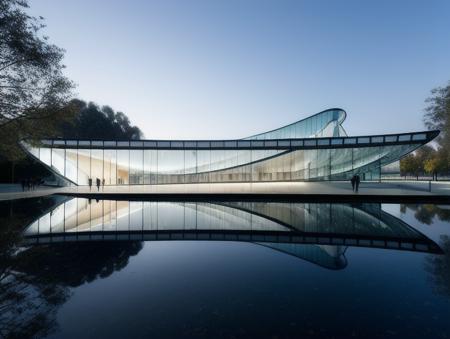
<point x="57" y="219"/>
<point x="84" y="166"/>
<point x="96" y="215"/>
<point x="123" y="161"/>
<point x="363" y="140"/>
<point x="109" y="166"/>
<point x="71" y="164"/>
<point x="136" y="217"/>
<point x="271" y="143"/>
<point x="190" y="144"/>
<point x="97" y="166"/>
<point x="230" y="143"/>
<point x="150" y="166"/>
<point x="176" y="144"/>
<point x="336" y="141"/>
<point x="203" y="144"/>
<point x="390" y="138"/>
<point x="422" y="136"/>
<point x="164" y="144"/>
<point x="406" y="137"/>
<point x="296" y="143"/>
<point x="341" y="162"/>
<point x="46" y="156"/>
<point x="71" y="212"/>
<point x="170" y="166"/>
<point x="150" y="215"/>
<point x="110" y="219"/>
<point x="58" y="162"/>
<point x="136" y="167"/>
<point x="44" y="224"/>
<point x="323" y="164"/>
<point x="190" y="161"/>
<point x="243" y="143"/>
<point x="84" y="215"/>
<point x="257" y="143"/>
<point x="123" y="216"/>
<point x="217" y="144"/>
<point x="350" y="141"/>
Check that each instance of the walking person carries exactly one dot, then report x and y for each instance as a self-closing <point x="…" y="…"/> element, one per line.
<point x="103" y="183"/>
<point x="97" y="181"/>
<point x="357" y="181"/>
<point x="90" y="183"/>
<point x="23" y="185"/>
<point x="353" y="180"/>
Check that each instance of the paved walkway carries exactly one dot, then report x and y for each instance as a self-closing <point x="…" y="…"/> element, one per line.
<point x="343" y="189"/>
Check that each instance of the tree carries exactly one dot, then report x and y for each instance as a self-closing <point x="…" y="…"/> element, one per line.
<point x="407" y="164"/>
<point x="438" y="115"/>
<point x="431" y="165"/>
<point x="93" y="122"/>
<point x="34" y="93"/>
<point x="412" y="164"/>
<point x="437" y="162"/>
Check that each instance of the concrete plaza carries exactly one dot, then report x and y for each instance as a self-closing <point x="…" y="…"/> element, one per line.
<point x="342" y="189"/>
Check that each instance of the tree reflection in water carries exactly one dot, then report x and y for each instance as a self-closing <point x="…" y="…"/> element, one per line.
<point x="35" y="281"/>
<point x="426" y="212"/>
<point x="439" y="268"/>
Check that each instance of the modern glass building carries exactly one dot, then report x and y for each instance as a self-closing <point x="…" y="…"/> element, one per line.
<point x="315" y="148"/>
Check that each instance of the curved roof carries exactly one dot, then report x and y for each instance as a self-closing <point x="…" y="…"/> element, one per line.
<point x="327" y="123"/>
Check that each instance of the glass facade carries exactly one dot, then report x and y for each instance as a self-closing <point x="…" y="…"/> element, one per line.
<point x="150" y="166"/>
<point x="315" y="148"/>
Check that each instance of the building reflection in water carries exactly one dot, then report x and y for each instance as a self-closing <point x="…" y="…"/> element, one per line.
<point x="317" y="232"/>
<point x="76" y="241"/>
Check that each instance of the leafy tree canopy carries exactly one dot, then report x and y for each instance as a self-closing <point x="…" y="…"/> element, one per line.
<point x="438" y="115"/>
<point x="34" y="93"/>
<point x="94" y="122"/>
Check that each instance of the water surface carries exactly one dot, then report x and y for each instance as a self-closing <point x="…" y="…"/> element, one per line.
<point x="74" y="267"/>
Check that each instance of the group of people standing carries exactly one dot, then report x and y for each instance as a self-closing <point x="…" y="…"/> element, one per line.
<point x="98" y="182"/>
<point x="30" y="184"/>
<point x="355" y="180"/>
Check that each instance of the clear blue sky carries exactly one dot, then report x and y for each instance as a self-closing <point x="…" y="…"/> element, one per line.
<point x="233" y="68"/>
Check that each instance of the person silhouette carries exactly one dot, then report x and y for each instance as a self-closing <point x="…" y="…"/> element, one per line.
<point x="353" y="181"/>
<point x="357" y="181"/>
<point x="90" y="183"/>
<point x="97" y="181"/>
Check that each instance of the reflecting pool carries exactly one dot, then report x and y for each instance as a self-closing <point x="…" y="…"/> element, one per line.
<point x="75" y="267"/>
